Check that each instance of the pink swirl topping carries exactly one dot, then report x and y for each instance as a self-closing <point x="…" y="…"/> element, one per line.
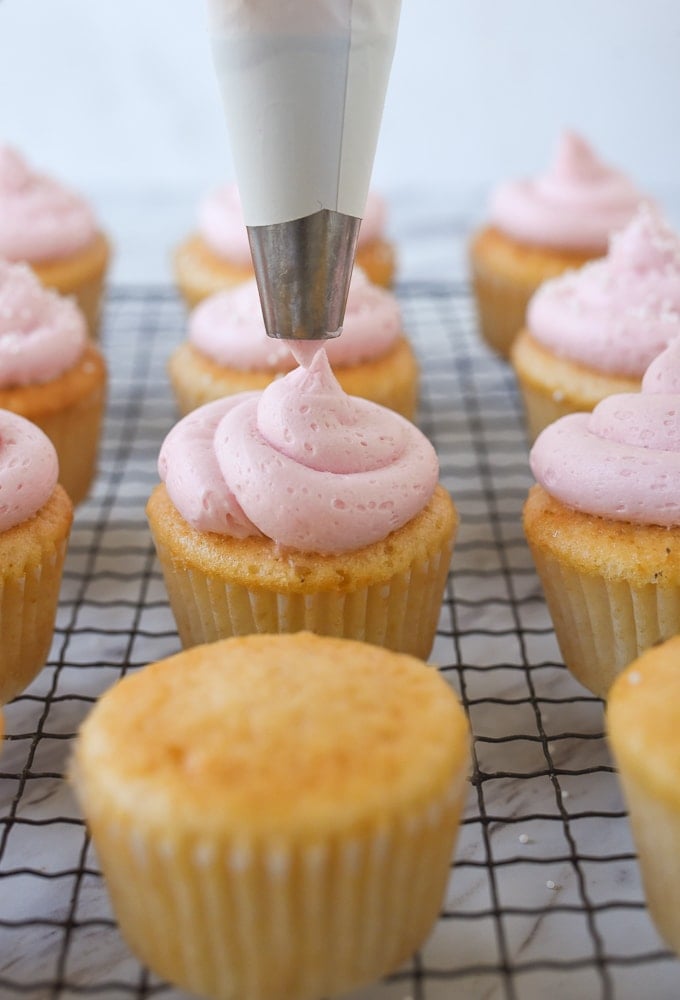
<point x="574" y="206"/>
<point x="618" y="313"/>
<point x="39" y="219"/>
<point x="301" y="463"/>
<point x="622" y="461"/>
<point x="41" y="333"/>
<point x="228" y="328"/>
<point x="28" y="469"/>
<point x="222" y="226"/>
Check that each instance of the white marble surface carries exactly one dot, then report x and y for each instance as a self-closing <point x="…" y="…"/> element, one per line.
<point x="545" y="898"/>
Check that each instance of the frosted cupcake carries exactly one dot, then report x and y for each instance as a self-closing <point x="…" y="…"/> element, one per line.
<point x="54" y="230"/>
<point x="643" y="726"/>
<point x="51" y="373"/>
<point x="35" y="522"/>
<point x="540" y="227"/>
<point x="217" y="256"/>
<point x="302" y="508"/>
<point x="603" y="525"/>
<point x="593" y="332"/>
<point x="275" y="815"/>
<point x="228" y="350"/>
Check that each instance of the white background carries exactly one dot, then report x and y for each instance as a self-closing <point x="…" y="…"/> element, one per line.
<point x="119" y="99"/>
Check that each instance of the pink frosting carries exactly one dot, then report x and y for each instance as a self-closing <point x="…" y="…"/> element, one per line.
<point x="622" y="461"/>
<point x="39" y="218"/>
<point x="616" y="314"/>
<point x="228" y="328"/>
<point x="28" y="469"/>
<point x="221" y="223"/>
<point x="41" y="333"/>
<point x="575" y="205"/>
<point x="301" y="463"/>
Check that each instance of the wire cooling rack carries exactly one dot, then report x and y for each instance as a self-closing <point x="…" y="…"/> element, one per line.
<point x="544" y="898"/>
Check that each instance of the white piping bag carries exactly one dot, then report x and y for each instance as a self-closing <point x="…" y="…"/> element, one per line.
<point x="303" y="84"/>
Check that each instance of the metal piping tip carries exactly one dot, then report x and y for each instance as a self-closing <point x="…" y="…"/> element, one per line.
<point x="303" y="269"/>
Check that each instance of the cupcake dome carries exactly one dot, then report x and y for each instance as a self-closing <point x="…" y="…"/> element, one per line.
<point x="302" y="507"/>
<point x="228" y="350"/>
<point x="53" y="229"/>
<point x="604" y="524"/>
<point x="594" y="331"/>
<point x="540" y="227"/>
<point x="51" y="373"/>
<point x="643" y="728"/>
<point x="275" y="815"/>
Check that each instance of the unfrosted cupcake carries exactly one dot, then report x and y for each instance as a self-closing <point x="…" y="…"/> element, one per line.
<point x="275" y="815"/>
<point x="44" y="224"/>
<point x="217" y="256"/>
<point x="603" y="525"/>
<point x="302" y="508"/>
<point x="643" y="726"/>
<point x="593" y="332"/>
<point x="51" y="372"/>
<point x="228" y="349"/>
<point x="35" y="522"/>
<point x="538" y="228"/>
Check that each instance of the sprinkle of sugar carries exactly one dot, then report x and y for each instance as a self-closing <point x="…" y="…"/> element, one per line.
<point x="551" y="885"/>
<point x="523" y="838"/>
<point x="634" y="677"/>
<point x="565" y="795"/>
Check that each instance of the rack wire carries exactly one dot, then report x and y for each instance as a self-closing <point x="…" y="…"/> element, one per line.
<point x="544" y="898"/>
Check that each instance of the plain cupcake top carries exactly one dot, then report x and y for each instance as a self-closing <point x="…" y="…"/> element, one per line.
<point x="643" y="718"/>
<point x="301" y="463"/>
<point x="275" y="736"/>
<point x="40" y="219"/>
<point x="221" y="223"/>
<point x="618" y="313"/>
<point x="622" y="461"/>
<point x="28" y="469"/>
<point x="228" y="328"/>
<point x="575" y="205"/>
<point x="42" y="334"/>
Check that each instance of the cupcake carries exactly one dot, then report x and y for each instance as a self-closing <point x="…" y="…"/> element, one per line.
<point x="275" y="815"/>
<point x="217" y="256"/>
<point x="643" y="726"/>
<point x="603" y="525"/>
<point x="540" y="227"/>
<point x="51" y="372"/>
<point x="228" y="349"/>
<point x="302" y="508"/>
<point x="593" y="332"/>
<point x="35" y="522"/>
<point x="53" y="229"/>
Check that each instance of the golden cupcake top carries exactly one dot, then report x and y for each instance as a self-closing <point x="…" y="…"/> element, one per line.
<point x="272" y="735"/>
<point x="643" y="719"/>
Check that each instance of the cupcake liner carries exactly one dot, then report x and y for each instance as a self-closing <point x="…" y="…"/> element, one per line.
<point x="602" y="625"/>
<point x="400" y="613"/>
<point x="656" y="832"/>
<point x="28" y="605"/>
<point x="327" y="916"/>
<point x="541" y="408"/>
<point x="501" y="306"/>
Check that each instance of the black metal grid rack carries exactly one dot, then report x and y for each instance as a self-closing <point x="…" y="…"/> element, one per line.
<point x="544" y="899"/>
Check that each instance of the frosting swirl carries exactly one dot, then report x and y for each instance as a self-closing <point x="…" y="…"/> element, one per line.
<point x="41" y="333"/>
<point x="301" y="463"/>
<point x="618" y="313"/>
<point x="622" y="461"/>
<point x="222" y="226"/>
<point x="228" y="328"/>
<point x="575" y="205"/>
<point x="39" y="218"/>
<point x="28" y="469"/>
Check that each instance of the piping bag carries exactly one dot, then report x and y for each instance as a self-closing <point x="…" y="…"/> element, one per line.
<point x="303" y="85"/>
